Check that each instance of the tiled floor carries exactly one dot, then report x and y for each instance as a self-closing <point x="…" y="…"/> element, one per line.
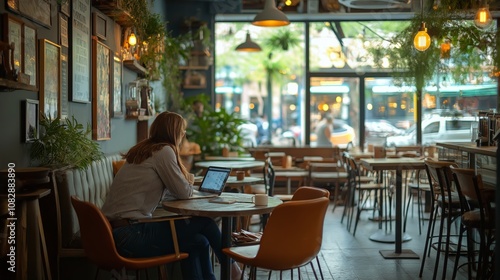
<point x="344" y="256"/>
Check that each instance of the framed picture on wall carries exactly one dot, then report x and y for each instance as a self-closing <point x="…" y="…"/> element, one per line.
<point x="64" y="87"/>
<point x="30" y="52"/>
<point x="50" y="78"/>
<point x="117" y="88"/>
<point x="65" y="8"/>
<point x="31" y="114"/>
<point x="101" y="60"/>
<point x="13" y="29"/>
<point x="99" y="26"/>
<point x="81" y="47"/>
<point x="63" y="29"/>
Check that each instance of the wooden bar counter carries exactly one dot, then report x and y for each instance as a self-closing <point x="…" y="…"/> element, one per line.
<point x="468" y="155"/>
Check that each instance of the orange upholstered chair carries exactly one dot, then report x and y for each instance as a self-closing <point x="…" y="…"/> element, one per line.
<point x="99" y="245"/>
<point x="292" y="237"/>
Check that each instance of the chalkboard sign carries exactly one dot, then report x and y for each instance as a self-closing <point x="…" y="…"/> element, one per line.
<point x="64" y="87"/>
<point x="80" y="51"/>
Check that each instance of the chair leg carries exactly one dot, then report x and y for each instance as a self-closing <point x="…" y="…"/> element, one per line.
<point x="96" y="274"/>
<point x="162" y="270"/>
<point x="319" y="268"/>
<point x="427" y="239"/>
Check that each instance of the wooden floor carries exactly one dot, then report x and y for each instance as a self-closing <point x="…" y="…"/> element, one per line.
<point x="344" y="256"/>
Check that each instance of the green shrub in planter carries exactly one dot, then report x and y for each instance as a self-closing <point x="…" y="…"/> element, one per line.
<point x="64" y="144"/>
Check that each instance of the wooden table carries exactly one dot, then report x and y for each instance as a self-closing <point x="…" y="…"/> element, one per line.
<point x="233" y="164"/>
<point x="398" y="164"/>
<point x="289" y="173"/>
<point x="221" y="158"/>
<point x="202" y="207"/>
<point x="360" y="155"/>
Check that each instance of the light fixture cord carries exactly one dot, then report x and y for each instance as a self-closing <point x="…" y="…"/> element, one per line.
<point x="422" y="9"/>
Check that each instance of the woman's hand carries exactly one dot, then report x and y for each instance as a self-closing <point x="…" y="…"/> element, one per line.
<point x="190" y="178"/>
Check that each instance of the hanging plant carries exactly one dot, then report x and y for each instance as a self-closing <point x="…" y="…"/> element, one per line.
<point x="470" y="48"/>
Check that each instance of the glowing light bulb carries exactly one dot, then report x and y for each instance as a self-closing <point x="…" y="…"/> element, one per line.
<point x="422" y="40"/>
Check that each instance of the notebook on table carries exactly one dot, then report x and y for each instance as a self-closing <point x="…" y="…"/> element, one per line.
<point x="213" y="182"/>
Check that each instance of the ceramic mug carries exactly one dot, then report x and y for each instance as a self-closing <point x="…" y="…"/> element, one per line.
<point x="260" y="199"/>
<point x="240" y="175"/>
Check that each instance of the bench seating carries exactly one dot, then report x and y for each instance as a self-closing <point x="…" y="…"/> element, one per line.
<point x="297" y="153"/>
<point x="90" y="184"/>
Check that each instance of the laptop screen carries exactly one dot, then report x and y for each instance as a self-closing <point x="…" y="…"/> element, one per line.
<point x="215" y="179"/>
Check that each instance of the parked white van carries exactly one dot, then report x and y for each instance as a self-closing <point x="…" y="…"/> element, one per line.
<point x="436" y="128"/>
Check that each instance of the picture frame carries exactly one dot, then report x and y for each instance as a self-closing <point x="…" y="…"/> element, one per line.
<point x="99" y="26"/>
<point x="80" y="52"/>
<point x="36" y="10"/>
<point x="50" y="78"/>
<point x="13" y="33"/>
<point x="101" y="92"/>
<point x="31" y="115"/>
<point x="30" y="54"/>
<point x="65" y="8"/>
<point x="64" y="87"/>
<point x="117" y="88"/>
<point x="63" y="29"/>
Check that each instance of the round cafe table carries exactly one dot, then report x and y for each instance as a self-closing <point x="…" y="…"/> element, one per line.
<point x="235" y="165"/>
<point x="204" y="208"/>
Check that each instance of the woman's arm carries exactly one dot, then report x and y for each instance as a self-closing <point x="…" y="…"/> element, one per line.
<point x="171" y="175"/>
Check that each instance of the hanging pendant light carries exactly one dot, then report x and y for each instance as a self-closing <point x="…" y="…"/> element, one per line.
<point x="483" y="19"/>
<point x="422" y="40"/>
<point x="248" y="45"/>
<point x="270" y="16"/>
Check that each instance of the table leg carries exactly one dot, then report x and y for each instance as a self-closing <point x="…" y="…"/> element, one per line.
<point x="225" y="263"/>
<point x="289" y="185"/>
<point x="398" y="253"/>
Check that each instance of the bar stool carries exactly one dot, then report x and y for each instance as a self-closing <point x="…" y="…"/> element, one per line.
<point x="477" y="216"/>
<point x="446" y="203"/>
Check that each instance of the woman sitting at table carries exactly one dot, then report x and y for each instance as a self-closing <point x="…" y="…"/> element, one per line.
<point x="153" y="171"/>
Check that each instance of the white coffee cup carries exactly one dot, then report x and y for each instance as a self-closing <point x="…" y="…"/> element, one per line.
<point x="260" y="199"/>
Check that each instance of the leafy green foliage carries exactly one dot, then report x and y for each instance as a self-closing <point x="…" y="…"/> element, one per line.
<point x="470" y="48"/>
<point x="215" y="130"/>
<point x="64" y="144"/>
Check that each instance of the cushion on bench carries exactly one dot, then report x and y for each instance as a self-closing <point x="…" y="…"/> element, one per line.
<point x="90" y="184"/>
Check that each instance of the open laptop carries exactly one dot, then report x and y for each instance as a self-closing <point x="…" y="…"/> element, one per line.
<point x="213" y="182"/>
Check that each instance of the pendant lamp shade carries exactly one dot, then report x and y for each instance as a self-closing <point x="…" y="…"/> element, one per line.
<point x="422" y="40"/>
<point x="248" y="45"/>
<point x="483" y="20"/>
<point x="270" y="16"/>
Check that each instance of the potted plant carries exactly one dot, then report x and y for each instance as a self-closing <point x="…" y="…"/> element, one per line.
<point x="64" y="144"/>
<point x="216" y="130"/>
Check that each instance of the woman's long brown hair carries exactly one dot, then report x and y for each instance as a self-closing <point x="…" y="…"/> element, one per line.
<point x="166" y="129"/>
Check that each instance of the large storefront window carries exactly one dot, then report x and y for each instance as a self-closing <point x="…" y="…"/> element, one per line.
<point x="337" y="98"/>
<point x="265" y="87"/>
<point x="346" y="82"/>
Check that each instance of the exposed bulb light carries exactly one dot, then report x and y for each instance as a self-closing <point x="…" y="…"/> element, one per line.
<point x="270" y="16"/>
<point x="132" y="40"/>
<point x="422" y="40"/>
<point x="483" y="19"/>
<point x="248" y="45"/>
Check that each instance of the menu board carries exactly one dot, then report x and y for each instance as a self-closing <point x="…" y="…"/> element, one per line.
<point x="64" y="87"/>
<point x="80" y="51"/>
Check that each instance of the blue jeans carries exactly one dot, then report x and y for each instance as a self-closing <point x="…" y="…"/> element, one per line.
<point x="195" y="235"/>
